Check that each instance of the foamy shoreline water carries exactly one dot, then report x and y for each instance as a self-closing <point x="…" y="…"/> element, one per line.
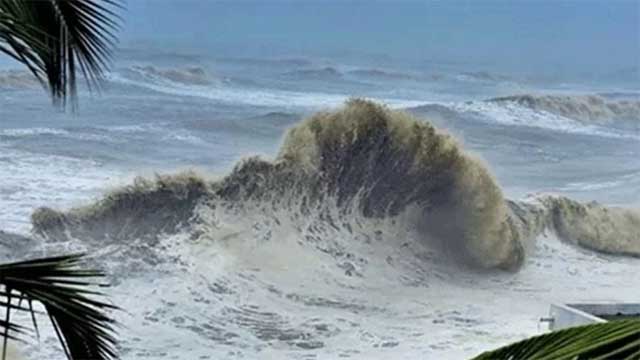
<point x="271" y="272"/>
<point x="222" y="264"/>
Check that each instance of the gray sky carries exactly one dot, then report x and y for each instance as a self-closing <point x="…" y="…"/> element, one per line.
<point x="589" y="34"/>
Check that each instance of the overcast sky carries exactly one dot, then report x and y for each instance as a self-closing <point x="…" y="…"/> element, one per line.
<point x="592" y="34"/>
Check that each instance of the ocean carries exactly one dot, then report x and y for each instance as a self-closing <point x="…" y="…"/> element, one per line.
<point x="227" y="235"/>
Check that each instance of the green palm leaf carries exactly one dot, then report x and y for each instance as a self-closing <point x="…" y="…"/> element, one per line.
<point x="609" y="340"/>
<point x="80" y="321"/>
<point x="56" y="38"/>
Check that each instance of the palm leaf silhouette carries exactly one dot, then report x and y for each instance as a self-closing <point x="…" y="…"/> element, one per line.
<point x="56" y="38"/>
<point x="62" y="288"/>
<point x="619" y="340"/>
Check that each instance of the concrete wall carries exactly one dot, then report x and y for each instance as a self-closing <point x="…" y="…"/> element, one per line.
<point x="564" y="316"/>
<point x="567" y="315"/>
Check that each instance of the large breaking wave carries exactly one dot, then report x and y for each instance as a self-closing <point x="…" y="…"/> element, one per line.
<point x="362" y="165"/>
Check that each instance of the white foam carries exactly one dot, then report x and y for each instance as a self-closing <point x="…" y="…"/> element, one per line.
<point x="23" y="132"/>
<point x="42" y="131"/>
<point x="183" y="136"/>
<point x="627" y="181"/>
<point x="586" y="108"/>
<point x="256" y="97"/>
<point x="514" y="114"/>
<point x="33" y="180"/>
<point x="137" y="128"/>
<point x="398" y="306"/>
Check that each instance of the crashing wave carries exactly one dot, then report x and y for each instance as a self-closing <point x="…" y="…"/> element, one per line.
<point x="362" y="161"/>
<point x="612" y="230"/>
<point x="586" y="108"/>
<point x="142" y="209"/>
<point x="380" y="161"/>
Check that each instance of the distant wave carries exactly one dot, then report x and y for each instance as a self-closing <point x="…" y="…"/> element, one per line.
<point x="277" y="116"/>
<point x="144" y="53"/>
<point x="383" y="74"/>
<point x="270" y="124"/>
<point x="17" y="79"/>
<point x="482" y="76"/>
<point x="331" y="73"/>
<point x="24" y="132"/>
<point x="585" y="108"/>
<point x="281" y="62"/>
<point x="187" y="76"/>
<point x="232" y="94"/>
<point x="276" y="119"/>
<point x="81" y="134"/>
<point x="326" y="73"/>
<point x="508" y="112"/>
<point x="364" y="166"/>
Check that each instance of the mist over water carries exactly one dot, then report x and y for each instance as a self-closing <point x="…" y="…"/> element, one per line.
<point x="492" y="169"/>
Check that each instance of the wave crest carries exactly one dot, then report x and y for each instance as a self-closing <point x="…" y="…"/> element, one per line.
<point x="611" y="230"/>
<point x="586" y="108"/>
<point x="187" y="76"/>
<point x="143" y="209"/>
<point x="363" y="156"/>
<point x="390" y="162"/>
<point x="363" y="161"/>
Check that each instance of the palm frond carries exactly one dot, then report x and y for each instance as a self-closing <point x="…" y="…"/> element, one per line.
<point x="80" y="321"/>
<point x="618" y="340"/>
<point x="56" y="39"/>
